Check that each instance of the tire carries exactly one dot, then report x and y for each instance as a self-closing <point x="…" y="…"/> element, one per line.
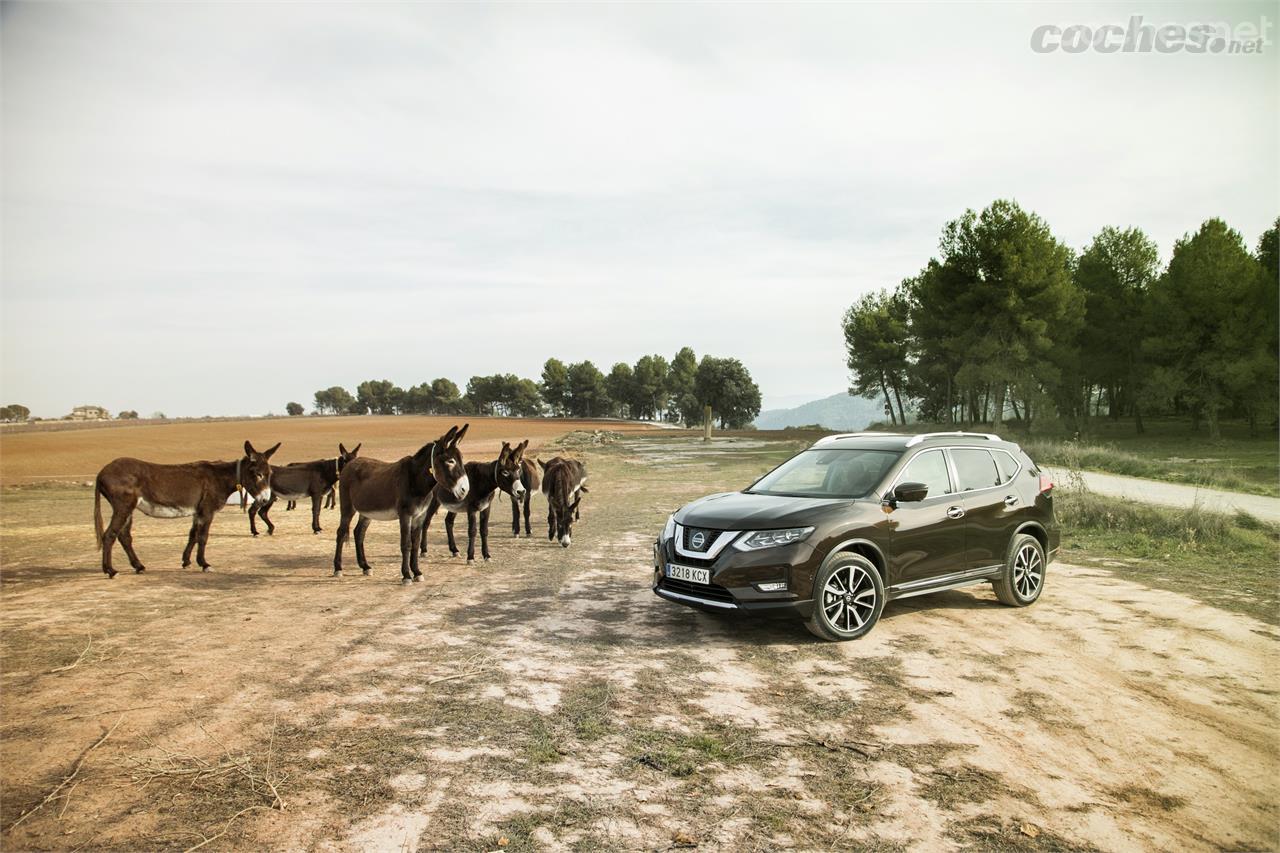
<point x="849" y="615"/>
<point x="1023" y="578"/>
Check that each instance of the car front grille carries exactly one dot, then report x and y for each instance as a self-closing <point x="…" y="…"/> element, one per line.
<point x="699" y="539"/>
<point x="711" y="592"/>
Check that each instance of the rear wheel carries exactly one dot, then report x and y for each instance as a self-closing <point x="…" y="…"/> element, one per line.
<point x="848" y="599"/>
<point x="1023" y="577"/>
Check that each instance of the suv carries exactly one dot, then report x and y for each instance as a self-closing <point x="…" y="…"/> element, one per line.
<point x="861" y="519"/>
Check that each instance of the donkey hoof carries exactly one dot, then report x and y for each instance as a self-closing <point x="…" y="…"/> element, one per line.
<point x="486" y="558"/>
<point x="417" y="578"/>
<point x="337" y="573"/>
<point x="366" y="572"/>
<point x="254" y="532"/>
<point x="186" y="564"/>
<point x="405" y="581"/>
<point x="139" y="569"/>
<point x="206" y="568"/>
<point x="470" y="560"/>
<point x="110" y="573"/>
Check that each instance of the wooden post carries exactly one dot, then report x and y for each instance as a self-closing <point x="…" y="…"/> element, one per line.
<point x="706" y="423"/>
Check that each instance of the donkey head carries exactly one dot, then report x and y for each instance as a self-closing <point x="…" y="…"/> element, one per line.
<point x="508" y="468"/>
<point x="445" y="461"/>
<point x="255" y="470"/>
<point x="345" y="456"/>
<point x="564" y="521"/>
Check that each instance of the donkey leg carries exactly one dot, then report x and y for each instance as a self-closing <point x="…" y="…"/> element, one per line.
<point x="253" y="513"/>
<point x="120" y="516"/>
<point x="406" y="545"/>
<point x="315" y="514"/>
<point x="191" y="542"/>
<point x="551" y="522"/>
<point x="448" y="528"/>
<point x="344" y="528"/>
<point x="361" y="526"/>
<point x="202" y="539"/>
<point x="528" y="499"/>
<point x="484" y="533"/>
<point x="515" y="516"/>
<point x="262" y="513"/>
<point x="415" y="535"/>
<point x="426" y="525"/>
<point x="471" y="536"/>
<point x="126" y="541"/>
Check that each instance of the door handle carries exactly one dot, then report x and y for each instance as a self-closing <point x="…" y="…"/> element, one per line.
<point x="955" y="512"/>
<point x="1011" y="500"/>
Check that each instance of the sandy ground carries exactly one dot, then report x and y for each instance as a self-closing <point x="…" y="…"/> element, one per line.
<point x="40" y="456"/>
<point x="1173" y="494"/>
<point x="549" y="701"/>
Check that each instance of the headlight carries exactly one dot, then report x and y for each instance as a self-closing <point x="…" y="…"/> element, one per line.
<point x="670" y="529"/>
<point x="772" y="538"/>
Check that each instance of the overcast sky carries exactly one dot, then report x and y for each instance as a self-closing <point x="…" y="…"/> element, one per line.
<point x="215" y="209"/>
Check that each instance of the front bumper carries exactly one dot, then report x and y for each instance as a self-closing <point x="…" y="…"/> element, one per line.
<point x="734" y="578"/>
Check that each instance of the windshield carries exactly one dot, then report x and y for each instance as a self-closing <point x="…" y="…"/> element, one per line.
<point x="851" y="473"/>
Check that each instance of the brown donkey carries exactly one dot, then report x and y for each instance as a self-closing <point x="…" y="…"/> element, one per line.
<point x="531" y="479"/>
<point x="564" y="482"/>
<point x="485" y="480"/>
<point x="386" y="491"/>
<point x="299" y="480"/>
<point x="197" y="489"/>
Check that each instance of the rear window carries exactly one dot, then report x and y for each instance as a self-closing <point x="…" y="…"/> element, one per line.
<point x="975" y="468"/>
<point x="1007" y="464"/>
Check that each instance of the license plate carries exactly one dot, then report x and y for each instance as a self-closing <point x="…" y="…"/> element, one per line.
<point x="688" y="573"/>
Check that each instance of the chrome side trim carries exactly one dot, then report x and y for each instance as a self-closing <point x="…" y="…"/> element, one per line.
<point x="676" y="596"/>
<point x="968" y="574"/>
<point x="944" y="588"/>
<point x="725" y="537"/>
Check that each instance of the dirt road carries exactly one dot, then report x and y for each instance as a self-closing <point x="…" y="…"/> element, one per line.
<point x="1173" y="494"/>
<point x="549" y="699"/>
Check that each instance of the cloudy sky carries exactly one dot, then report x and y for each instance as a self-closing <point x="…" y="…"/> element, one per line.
<point x="215" y="209"/>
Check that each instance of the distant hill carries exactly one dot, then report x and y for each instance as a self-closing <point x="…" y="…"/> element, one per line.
<point x="839" y="411"/>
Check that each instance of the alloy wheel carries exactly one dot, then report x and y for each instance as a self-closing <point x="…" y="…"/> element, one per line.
<point x="849" y="598"/>
<point x="1028" y="571"/>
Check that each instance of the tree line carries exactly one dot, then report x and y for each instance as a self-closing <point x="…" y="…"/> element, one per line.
<point x="1009" y="322"/>
<point x="653" y="388"/>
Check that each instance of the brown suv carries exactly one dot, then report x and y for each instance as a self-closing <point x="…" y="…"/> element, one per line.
<point x="858" y="520"/>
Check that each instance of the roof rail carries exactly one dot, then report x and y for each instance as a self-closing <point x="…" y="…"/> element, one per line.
<point x="922" y="436"/>
<point x="841" y="435"/>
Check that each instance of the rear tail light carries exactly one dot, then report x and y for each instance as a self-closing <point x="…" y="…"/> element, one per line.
<point x="1046" y="483"/>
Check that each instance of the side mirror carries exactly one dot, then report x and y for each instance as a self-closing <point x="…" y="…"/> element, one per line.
<point x="910" y="492"/>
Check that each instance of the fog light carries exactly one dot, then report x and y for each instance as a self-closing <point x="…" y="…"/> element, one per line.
<point x="776" y="586"/>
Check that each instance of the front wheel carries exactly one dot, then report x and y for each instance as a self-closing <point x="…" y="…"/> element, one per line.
<point x="1023" y="577"/>
<point x="848" y="599"/>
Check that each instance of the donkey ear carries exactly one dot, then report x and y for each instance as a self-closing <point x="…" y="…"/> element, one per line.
<point x="522" y="445"/>
<point x="448" y="436"/>
<point x="543" y="464"/>
<point x="248" y="448"/>
<point x="267" y="453"/>
<point x="355" y="450"/>
<point x="342" y="451"/>
<point x="461" y="433"/>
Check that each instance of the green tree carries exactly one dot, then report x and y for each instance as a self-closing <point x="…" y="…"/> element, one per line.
<point x="649" y="393"/>
<point x="555" y="386"/>
<point x="380" y="396"/>
<point x="1115" y="274"/>
<point x="445" y="396"/>
<point x="726" y="385"/>
<point x="334" y="400"/>
<point x="682" y="401"/>
<point x="128" y="415"/>
<point x="1017" y="303"/>
<point x="417" y="399"/>
<point x="621" y="387"/>
<point x="588" y="397"/>
<point x="877" y="345"/>
<point x="294" y="409"/>
<point x="1204" y="319"/>
<point x="525" y="401"/>
<point x="14" y="412"/>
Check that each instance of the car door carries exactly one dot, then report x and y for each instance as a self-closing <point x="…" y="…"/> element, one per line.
<point x="927" y="537"/>
<point x="990" y="508"/>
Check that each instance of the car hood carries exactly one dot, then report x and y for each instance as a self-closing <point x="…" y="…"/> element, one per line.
<point x="743" y="511"/>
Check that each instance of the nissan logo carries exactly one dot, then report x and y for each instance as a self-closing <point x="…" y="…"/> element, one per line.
<point x="697" y="540"/>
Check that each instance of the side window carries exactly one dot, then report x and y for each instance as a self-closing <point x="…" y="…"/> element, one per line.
<point x="929" y="468"/>
<point x="1007" y="464"/>
<point x="975" y="468"/>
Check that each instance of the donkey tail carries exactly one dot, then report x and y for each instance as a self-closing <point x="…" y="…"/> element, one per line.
<point x="97" y="512"/>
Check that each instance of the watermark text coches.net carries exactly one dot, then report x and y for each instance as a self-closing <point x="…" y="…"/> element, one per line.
<point x="1139" y="37"/>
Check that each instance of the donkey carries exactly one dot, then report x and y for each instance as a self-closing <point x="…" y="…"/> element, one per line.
<point x="197" y="489"/>
<point x="298" y="480"/>
<point x="531" y="479"/>
<point x="564" y="482"/>
<point x="398" y="490"/>
<point x="485" y="478"/>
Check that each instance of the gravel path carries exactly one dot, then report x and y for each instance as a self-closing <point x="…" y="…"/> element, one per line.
<point x="1173" y="494"/>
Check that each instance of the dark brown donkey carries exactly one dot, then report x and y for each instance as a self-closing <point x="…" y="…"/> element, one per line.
<point x="564" y="482"/>
<point x="531" y="479"/>
<point x="299" y="480"/>
<point x="485" y="479"/>
<point x="197" y="489"/>
<point x="386" y="491"/>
